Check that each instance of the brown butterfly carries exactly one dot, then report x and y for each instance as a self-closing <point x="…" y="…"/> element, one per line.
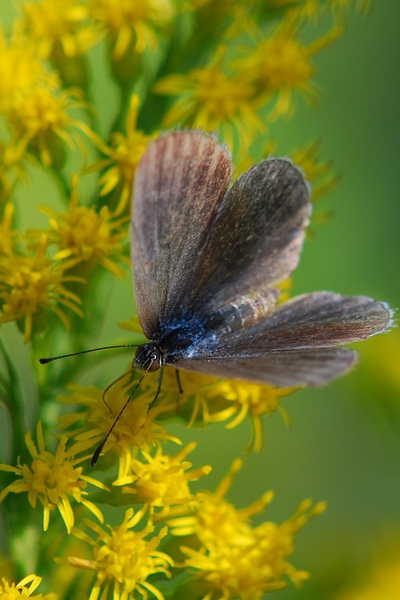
<point x="206" y="262"/>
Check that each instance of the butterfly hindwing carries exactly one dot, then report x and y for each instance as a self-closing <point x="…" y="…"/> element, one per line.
<point x="295" y="344"/>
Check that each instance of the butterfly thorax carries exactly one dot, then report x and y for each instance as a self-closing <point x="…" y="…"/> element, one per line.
<point x="170" y="343"/>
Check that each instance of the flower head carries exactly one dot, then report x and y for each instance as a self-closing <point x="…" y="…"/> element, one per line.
<point x="24" y="589"/>
<point x="163" y="480"/>
<point x="135" y="427"/>
<point x="35" y="107"/>
<point x="9" y="237"/>
<point x="53" y="479"/>
<point x="251" y="400"/>
<point x="131" y="23"/>
<point x="210" y="399"/>
<point x="30" y="284"/>
<point x="123" y="559"/>
<point x="280" y="66"/>
<point x="124" y="153"/>
<point x="12" y="168"/>
<point x="50" y="24"/>
<point x="235" y="559"/>
<point x="317" y="172"/>
<point x="383" y="582"/>
<point x="209" y="98"/>
<point x="86" y="237"/>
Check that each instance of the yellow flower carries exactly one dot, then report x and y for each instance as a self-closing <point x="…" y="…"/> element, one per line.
<point x="33" y="103"/>
<point x="51" y="24"/>
<point x="23" y="589"/>
<point x="210" y="99"/>
<point x="52" y="479"/>
<point x="128" y="22"/>
<point x="8" y="237"/>
<point x="213" y="400"/>
<point x="281" y="66"/>
<point x="317" y="172"/>
<point x="249" y="400"/>
<point x="214" y="517"/>
<point x="86" y="236"/>
<point x="124" y="152"/>
<point x="383" y="583"/>
<point x="12" y="168"/>
<point x="163" y="481"/>
<point x="40" y="117"/>
<point x="134" y="428"/>
<point x="20" y="70"/>
<point x="123" y="560"/>
<point x="234" y="559"/>
<point x="32" y="283"/>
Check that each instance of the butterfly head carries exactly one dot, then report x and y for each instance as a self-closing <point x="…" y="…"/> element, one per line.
<point x="148" y="358"/>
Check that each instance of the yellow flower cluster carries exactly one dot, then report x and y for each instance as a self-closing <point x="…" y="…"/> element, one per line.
<point x="234" y="559"/>
<point x="123" y="559"/>
<point x="105" y="77"/>
<point x="52" y="479"/>
<point x="31" y="283"/>
<point x="24" y="589"/>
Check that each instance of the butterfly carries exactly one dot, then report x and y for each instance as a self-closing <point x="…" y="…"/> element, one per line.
<point x="207" y="260"/>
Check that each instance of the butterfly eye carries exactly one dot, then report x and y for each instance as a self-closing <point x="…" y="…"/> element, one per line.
<point x="155" y="362"/>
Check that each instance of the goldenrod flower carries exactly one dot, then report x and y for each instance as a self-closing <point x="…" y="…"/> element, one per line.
<point x="382" y="583"/>
<point x="213" y="400"/>
<point x="211" y="99"/>
<point x="249" y="400"/>
<point x="50" y="24"/>
<point x="128" y="22"/>
<point x="163" y="480"/>
<point x="33" y="103"/>
<point x="123" y="559"/>
<point x="317" y="172"/>
<point x="52" y="479"/>
<point x="40" y="114"/>
<point x="236" y="560"/>
<point x="9" y="237"/>
<point x="84" y="235"/>
<point x="32" y="283"/>
<point x="281" y="66"/>
<point x="12" y="168"/>
<point x="124" y="152"/>
<point x="214" y="517"/>
<point x="20" y="70"/>
<point x="23" y="589"/>
<point x="135" y="427"/>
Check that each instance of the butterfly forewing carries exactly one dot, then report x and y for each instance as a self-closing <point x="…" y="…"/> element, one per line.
<point x="179" y="185"/>
<point x="257" y="236"/>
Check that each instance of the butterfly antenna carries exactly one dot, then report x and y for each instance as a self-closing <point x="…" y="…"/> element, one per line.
<point x="98" y="450"/>
<point x="44" y="361"/>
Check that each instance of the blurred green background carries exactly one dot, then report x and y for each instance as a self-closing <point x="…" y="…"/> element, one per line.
<point x="344" y="443"/>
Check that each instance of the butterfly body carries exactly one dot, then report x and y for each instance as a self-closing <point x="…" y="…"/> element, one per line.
<point x="208" y="258"/>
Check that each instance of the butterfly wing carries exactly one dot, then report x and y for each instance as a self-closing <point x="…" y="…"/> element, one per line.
<point x="295" y="344"/>
<point x="179" y="184"/>
<point x="196" y="245"/>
